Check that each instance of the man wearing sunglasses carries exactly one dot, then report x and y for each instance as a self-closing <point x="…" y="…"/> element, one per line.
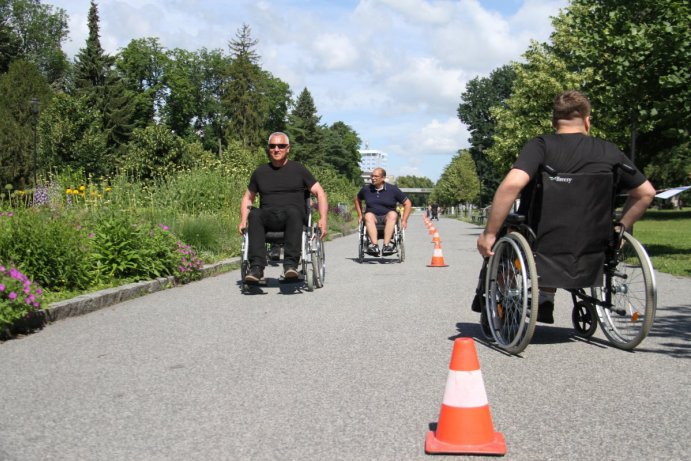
<point x="282" y="185"/>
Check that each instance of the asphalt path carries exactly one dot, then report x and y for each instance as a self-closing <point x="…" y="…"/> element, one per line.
<point x="353" y="371"/>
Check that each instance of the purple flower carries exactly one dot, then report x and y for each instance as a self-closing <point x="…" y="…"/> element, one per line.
<point x="12" y="296"/>
<point x="2" y="287"/>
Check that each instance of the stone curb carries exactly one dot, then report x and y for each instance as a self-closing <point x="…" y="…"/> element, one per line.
<point x="91" y="302"/>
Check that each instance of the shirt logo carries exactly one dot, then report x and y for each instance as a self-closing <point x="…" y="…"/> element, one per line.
<point x="560" y="179"/>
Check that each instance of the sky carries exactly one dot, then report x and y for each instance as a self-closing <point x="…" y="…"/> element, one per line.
<point x="393" y="70"/>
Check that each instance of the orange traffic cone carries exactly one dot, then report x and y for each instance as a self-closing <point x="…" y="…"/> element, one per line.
<point x="465" y="423"/>
<point x="432" y="230"/>
<point x="436" y="238"/>
<point x="437" y="257"/>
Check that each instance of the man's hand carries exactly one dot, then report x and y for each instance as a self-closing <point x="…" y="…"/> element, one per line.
<point x="404" y="224"/>
<point x="323" y="226"/>
<point x="485" y="242"/>
<point x="242" y="227"/>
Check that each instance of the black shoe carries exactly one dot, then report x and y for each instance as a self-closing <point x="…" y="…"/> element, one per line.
<point x="289" y="272"/>
<point x="388" y="249"/>
<point x="373" y="250"/>
<point x="545" y="312"/>
<point x="255" y="274"/>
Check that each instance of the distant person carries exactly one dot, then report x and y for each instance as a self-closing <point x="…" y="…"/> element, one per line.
<point x="381" y="199"/>
<point x="435" y="211"/>
<point x="283" y="186"/>
<point x="570" y="150"/>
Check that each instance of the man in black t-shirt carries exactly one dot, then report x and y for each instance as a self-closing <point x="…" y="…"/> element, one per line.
<point x="570" y="150"/>
<point x="283" y="186"/>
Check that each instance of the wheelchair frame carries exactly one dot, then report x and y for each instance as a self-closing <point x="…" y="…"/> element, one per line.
<point x="398" y="238"/>
<point x="312" y="256"/>
<point x="624" y="305"/>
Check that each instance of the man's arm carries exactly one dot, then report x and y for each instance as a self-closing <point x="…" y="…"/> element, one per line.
<point x="323" y="207"/>
<point x="407" y="205"/>
<point x="358" y="208"/>
<point x="245" y="205"/>
<point x="506" y="193"/>
<point x="638" y="202"/>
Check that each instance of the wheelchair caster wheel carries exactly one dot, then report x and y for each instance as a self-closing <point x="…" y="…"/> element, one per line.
<point x="584" y="318"/>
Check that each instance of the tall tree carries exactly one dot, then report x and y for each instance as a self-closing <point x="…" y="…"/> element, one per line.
<point x="481" y="95"/>
<point x="245" y="99"/>
<point x="639" y="53"/>
<point x="34" y="32"/>
<point x="341" y="150"/>
<point x="105" y="91"/>
<point x="459" y="181"/>
<point x="305" y="134"/>
<point x="142" y="64"/>
<point x="22" y="83"/>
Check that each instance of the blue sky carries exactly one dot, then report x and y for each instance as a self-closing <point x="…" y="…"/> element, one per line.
<point x="393" y="70"/>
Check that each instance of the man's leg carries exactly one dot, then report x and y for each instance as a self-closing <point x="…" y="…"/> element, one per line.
<point x="545" y="308"/>
<point x="371" y="226"/>
<point x="293" y="225"/>
<point x="257" y="244"/>
<point x="389" y="226"/>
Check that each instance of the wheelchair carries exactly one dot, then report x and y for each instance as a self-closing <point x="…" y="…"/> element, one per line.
<point x="398" y="238"/>
<point x="623" y="302"/>
<point x="312" y="257"/>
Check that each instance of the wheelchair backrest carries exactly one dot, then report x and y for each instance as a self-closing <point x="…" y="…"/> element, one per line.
<point x="575" y="212"/>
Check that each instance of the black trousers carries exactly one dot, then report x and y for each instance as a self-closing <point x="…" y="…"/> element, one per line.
<point x="288" y="220"/>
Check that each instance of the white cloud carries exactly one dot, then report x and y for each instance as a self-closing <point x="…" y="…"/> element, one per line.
<point x="335" y="52"/>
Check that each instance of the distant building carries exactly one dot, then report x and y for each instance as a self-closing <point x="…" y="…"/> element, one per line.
<point x="371" y="159"/>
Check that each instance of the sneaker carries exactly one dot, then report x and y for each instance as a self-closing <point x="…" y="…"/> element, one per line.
<point x="290" y="272"/>
<point x="388" y="249"/>
<point x="255" y="274"/>
<point x="373" y="250"/>
<point x="545" y="311"/>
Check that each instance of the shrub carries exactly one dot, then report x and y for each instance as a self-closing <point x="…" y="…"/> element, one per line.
<point x="19" y="297"/>
<point x="54" y="250"/>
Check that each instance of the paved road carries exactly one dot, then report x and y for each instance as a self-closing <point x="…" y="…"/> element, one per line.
<point x="353" y="371"/>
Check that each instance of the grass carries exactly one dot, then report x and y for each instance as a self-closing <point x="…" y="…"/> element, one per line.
<point x="666" y="235"/>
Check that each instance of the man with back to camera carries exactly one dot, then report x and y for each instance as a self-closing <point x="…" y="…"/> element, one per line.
<point x="283" y="186"/>
<point x="381" y="199"/>
<point x="570" y="150"/>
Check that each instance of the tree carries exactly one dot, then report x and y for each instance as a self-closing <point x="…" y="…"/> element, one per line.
<point x="34" y="32"/>
<point x="459" y="181"/>
<point x="142" y="64"/>
<point x="527" y="112"/>
<point x="303" y="127"/>
<point x="245" y="100"/>
<point x="416" y="182"/>
<point x="475" y="110"/>
<point x="639" y="55"/>
<point x="22" y="83"/>
<point x="341" y="150"/>
<point x="106" y="92"/>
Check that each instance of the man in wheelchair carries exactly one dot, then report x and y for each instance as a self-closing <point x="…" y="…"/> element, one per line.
<point x="283" y="186"/>
<point x="381" y="200"/>
<point x="568" y="254"/>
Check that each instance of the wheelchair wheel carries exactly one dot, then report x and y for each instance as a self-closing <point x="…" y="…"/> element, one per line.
<point x="401" y="251"/>
<point x="584" y="319"/>
<point x="362" y="243"/>
<point x="318" y="260"/>
<point x="511" y="277"/>
<point x="634" y="297"/>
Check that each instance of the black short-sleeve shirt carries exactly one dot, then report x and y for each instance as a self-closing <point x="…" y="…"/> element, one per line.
<point x="288" y="185"/>
<point x="383" y="201"/>
<point x="576" y="153"/>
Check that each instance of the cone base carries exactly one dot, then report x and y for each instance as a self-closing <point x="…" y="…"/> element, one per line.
<point x="496" y="447"/>
<point x="437" y="265"/>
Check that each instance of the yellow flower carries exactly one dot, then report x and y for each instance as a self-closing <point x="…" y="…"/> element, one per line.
<point x="75" y="192"/>
<point x="82" y="188"/>
<point x="108" y="189"/>
<point x="68" y="191"/>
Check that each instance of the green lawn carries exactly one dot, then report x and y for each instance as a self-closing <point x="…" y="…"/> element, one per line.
<point x="666" y="235"/>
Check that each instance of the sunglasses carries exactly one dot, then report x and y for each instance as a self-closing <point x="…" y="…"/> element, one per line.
<point x="280" y="146"/>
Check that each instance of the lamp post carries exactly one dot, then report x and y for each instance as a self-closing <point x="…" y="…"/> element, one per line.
<point x="35" y="110"/>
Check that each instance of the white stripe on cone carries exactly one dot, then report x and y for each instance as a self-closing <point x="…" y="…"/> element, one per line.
<point x="437" y="253"/>
<point x="465" y="389"/>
